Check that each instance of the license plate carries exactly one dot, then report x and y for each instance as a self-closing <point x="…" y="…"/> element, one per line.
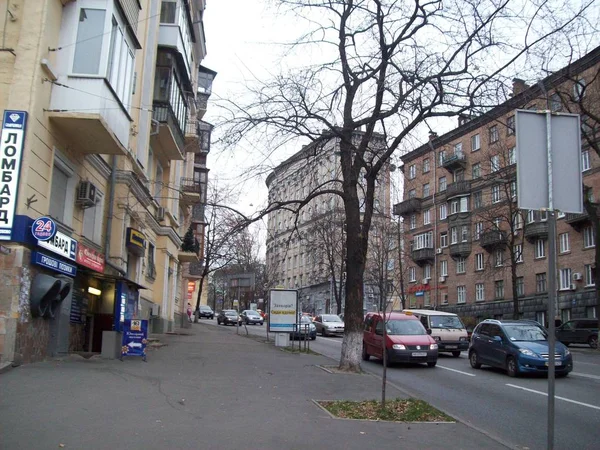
<point x="556" y="363"/>
<point x="451" y="346"/>
<point x="419" y="353"/>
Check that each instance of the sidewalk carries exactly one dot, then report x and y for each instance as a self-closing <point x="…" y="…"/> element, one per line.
<point x="211" y="389"/>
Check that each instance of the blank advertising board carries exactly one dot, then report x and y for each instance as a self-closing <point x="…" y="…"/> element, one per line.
<point x="283" y="310"/>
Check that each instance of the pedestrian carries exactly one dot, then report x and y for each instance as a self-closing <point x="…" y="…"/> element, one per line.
<point x="189" y="312"/>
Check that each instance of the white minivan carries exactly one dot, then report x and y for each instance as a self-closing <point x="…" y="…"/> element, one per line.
<point x="446" y="328"/>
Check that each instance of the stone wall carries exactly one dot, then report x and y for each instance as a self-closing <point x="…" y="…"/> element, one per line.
<point x="76" y="338"/>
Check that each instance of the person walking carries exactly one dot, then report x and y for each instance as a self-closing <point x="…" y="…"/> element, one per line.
<point x="189" y="312"/>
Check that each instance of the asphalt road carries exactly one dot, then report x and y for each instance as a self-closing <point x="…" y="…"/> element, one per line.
<point x="513" y="410"/>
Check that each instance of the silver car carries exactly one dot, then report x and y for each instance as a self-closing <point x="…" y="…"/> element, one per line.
<point x="329" y="325"/>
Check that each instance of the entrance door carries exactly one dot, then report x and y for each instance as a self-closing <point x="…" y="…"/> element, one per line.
<point x="102" y="322"/>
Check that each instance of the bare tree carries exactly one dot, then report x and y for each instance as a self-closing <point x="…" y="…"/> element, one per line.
<point x="380" y="69"/>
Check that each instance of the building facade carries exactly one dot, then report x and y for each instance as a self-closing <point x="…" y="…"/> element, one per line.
<point x="109" y="145"/>
<point x="469" y="249"/>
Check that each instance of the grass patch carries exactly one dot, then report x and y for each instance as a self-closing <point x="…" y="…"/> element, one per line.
<point x="396" y="410"/>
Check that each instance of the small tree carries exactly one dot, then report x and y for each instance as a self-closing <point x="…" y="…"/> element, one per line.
<point x="189" y="241"/>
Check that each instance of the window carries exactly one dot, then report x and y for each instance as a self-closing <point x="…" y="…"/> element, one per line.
<point x="412" y="193"/>
<point x="495" y="194"/>
<point x="458" y="149"/>
<point x="517" y="221"/>
<point x="477" y="199"/>
<point x="563" y="240"/>
<point x="461" y="265"/>
<point x="585" y="160"/>
<point x="120" y="61"/>
<point x="540" y="317"/>
<point x="565" y="279"/>
<point x="543" y="215"/>
<point x="520" y="287"/>
<point x="478" y="230"/>
<point x="88" y="47"/>
<point x="512" y="155"/>
<point x="588" y="237"/>
<point x="555" y="102"/>
<point x="458" y="175"/>
<point x="497" y="221"/>
<point x="590" y="275"/>
<point x="62" y="192"/>
<point x="444" y="268"/>
<point x="423" y="240"/>
<point x="493" y="130"/>
<point x="151" y="267"/>
<point x="499" y="289"/>
<point x="495" y="163"/>
<point x="442" y="184"/>
<point x="479" y="261"/>
<point x="578" y="89"/>
<point x="412" y="274"/>
<point x="498" y="258"/>
<point x="443" y="211"/>
<point x="464" y="233"/>
<point x="590" y="312"/>
<point x="476" y="171"/>
<point x="427" y="217"/>
<point x="412" y="172"/>
<point x="441" y="157"/>
<point x="454" y="235"/>
<point x="475" y="143"/>
<point x="518" y="253"/>
<point x="93" y="219"/>
<point x="530" y="216"/>
<point x="513" y="191"/>
<point x="461" y="292"/>
<point x="510" y="125"/>
<point x="426" y="165"/>
<point x="540" y="282"/>
<point x="540" y="248"/>
<point x="427" y="271"/>
<point x="426" y="192"/>
<point x="479" y="292"/>
<point x="413" y="222"/>
<point x="444" y="239"/>
<point x="158" y="183"/>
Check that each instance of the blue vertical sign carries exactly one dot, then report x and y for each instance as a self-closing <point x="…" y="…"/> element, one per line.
<point x="11" y="151"/>
<point x="135" y="338"/>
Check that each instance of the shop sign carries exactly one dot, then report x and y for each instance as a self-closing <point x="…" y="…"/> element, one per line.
<point x="51" y="263"/>
<point x="283" y="310"/>
<point x="136" y="241"/>
<point x="135" y="338"/>
<point x="11" y="150"/>
<point x="43" y="228"/>
<point x="62" y="245"/>
<point x="90" y="258"/>
<point x="79" y="306"/>
<point x="190" y="289"/>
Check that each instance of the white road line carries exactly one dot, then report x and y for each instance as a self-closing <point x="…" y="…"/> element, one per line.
<point x="457" y="371"/>
<point x="585" y="375"/>
<point x="556" y="396"/>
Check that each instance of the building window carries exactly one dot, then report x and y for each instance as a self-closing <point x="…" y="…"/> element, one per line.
<point x="62" y="192"/>
<point x="518" y="253"/>
<point x="540" y="282"/>
<point x="590" y="275"/>
<point x="479" y="292"/>
<point x="454" y="204"/>
<point x="443" y="211"/>
<point x="427" y="217"/>
<point x="412" y="172"/>
<point x="461" y="265"/>
<point x="512" y="155"/>
<point x="564" y="245"/>
<point x="454" y="235"/>
<point x="426" y="192"/>
<point x="543" y="216"/>
<point x="496" y="194"/>
<point x="464" y="233"/>
<point x="493" y="130"/>
<point x="168" y="11"/>
<point x="93" y="219"/>
<point x="476" y="171"/>
<point x="513" y="191"/>
<point x="444" y="268"/>
<point x="412" y="274"/>
<point x="495" y="163"/>
<point x="540" y="317"/>
<point x="578" y="89"/>
<point x="517" y="221"/>
<point x="555" y="102"/>
<point x="510" y="125"/>
<point x="426" y="165"/>
<point x="413" y="222"/>
<point x="499" y="289"/>
<point x="461" y="294"/>
<point x="479" y="261"/>
<point x="497" y="222"/>
<point x="441" y="157"/>
<point x="590" y="312"/>
<point x="565" y="279"/>
<point x="444" y="239"/>
<point x="120" y="61"/>
<point x="442" y="184"/>
<point x="478" y="230"/>
<point x="477" y="199"/>
<point x="520" y="287"/>
<point x="530" y="216"/>
<point x="589" y="239"/>
<point x="498" y="258"/>
<point x="585" y="161"/>
<point x="423" y="240"/>
<point x="475" y="143"/>
<point x="458" y="149"/>
<point x="458" y="175"/>
<point x="427" y="271"/>
<point x="150" y="266"/>
<point x="540" y="248"/>
<point x="158" y="183"/>
<point x="412" y="193"/>
<point x="88" y="47"/>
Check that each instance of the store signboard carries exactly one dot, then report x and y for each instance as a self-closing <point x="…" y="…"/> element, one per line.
<point x="62" y="245"/>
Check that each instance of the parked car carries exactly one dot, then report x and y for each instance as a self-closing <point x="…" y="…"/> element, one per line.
<point x="249" y="316"/>
<point x="579" y="331"/>
<point x="517" y="346"/>
<point x="305" y="328"/>
<point x="446" y="328"/>
<point x="407" y="341"/>
<point x="206" y="311"/>
<point x="229" y="316"/>
<point x="329" y="324"/>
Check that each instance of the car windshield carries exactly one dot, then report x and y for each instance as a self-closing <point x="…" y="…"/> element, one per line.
<point x="331" y="318"/>
<point x="524" y="333"/>
<point x="305" y="319"/>
<point x="205" y="308"/>
<point x="405" y="327"/>
<point x="446" y="322"/>
<point x="230" y="313"/>
<point x="252" y="313"/>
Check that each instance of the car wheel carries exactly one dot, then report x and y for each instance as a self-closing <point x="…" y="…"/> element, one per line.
<point x="365" y="354"/>
<point x="261" y="324"/>
<point x="312" y="338"/>
<point x="431" y="364"/>
<point x="593" y="341"/>
<point x="512" y="367"/>
<point x="456" y="354"/>
<point x="475" y="364"/>
<point x="323" y="332"/>
<point x="562" y="375"/>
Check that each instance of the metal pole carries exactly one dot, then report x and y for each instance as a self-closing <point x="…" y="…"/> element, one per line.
<point x="551" y="286"/>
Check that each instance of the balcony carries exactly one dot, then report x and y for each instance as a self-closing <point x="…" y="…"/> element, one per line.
<point x="458" y="188"/>
<point x="187" y="257"/>
<point x="493" y="239"/>
<point x="460" y="250"/>
<point x="577" y="221"/>
<point x="536" y="230"/>
<point x="194" y="270"/>
<point x="198" y="213"/>
<point x="168" y="141"/>
<point x="455" y="161"/>
<point x="423" y="255"/>
<point x="407" y="207"/>
<point x="170" y="36"/>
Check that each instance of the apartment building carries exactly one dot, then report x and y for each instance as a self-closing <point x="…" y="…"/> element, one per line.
<point x="463" y="228"/>
<point x="304" y="248"/>
<point x="103" y="134"/>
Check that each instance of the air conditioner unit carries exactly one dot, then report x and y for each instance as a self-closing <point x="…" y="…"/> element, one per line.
<point x="425" y="280"/>
<point x="438" y="251"/>
<point x="573" y="287"/>
<point x="160" y="214"/>
<point x="442" y="279"/>
<point x="577" y="276"/>
<point x="86" y="194"/>
<point x="155" y="312"/>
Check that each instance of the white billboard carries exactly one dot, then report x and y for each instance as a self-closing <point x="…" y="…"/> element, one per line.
<point x="283" y="310"/>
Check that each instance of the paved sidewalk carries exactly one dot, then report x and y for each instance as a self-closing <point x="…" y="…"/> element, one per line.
<point x="211" y="389"/>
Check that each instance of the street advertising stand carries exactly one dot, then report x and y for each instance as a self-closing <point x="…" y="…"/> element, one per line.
<point x="283" y="315"/>
<point x="135" y="338"/>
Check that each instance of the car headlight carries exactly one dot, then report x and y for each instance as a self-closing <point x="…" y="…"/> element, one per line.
<point x="527" y="352"/>
<point x="398" y="347"/>
<point x="437" y="338"/>
<point x="433" y="346"/>
<point x="567" y="352"/>
<point x="312" y="327"/>
<point x="463" y="338"/>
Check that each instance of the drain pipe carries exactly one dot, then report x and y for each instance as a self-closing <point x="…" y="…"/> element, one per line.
<point x="111" y="200"/>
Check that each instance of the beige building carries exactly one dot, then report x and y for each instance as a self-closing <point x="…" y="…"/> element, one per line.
<point x="103" y="101"/>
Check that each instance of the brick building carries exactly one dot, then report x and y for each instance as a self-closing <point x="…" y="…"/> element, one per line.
<point x="462" y="225"/>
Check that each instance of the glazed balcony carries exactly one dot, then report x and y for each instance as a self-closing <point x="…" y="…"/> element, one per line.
<point x="455" y="161"/>
<point x="406" y="207"/>
<point x="493" y="239"/>
<point x="536" y="230"/>
<point x="460" y="249"/>
<point x="423" y="255"/>
<point x="458" y="188"/>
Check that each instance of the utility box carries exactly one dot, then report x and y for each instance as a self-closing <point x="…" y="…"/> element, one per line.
<point x="111" y="345"/>
<point x="282" y="340"/>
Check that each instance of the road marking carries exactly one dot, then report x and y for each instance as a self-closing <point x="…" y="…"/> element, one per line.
<point x="585" y="375"/>
<point x="457" y="371"/>
<point x="556" y="396"/>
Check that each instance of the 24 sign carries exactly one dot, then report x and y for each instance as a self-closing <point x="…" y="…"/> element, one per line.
<point x="43" y="228"/>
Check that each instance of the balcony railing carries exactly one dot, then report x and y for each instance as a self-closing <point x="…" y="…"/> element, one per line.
<point x="194" y="189"/>
<point x="423" y="255"/>
<point x="163" y="112"/>
<point x="492" y="239"/>
<point x="536" y="230"/>
<point x="455" y="161"/>
<point x="577" y="220"/>
<point x="460" y="249"/>
<point x="407" y="207"/>
<point x="458" y="188"/>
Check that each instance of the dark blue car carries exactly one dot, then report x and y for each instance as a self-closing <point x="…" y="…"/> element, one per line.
<point x="517" y="346"/>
